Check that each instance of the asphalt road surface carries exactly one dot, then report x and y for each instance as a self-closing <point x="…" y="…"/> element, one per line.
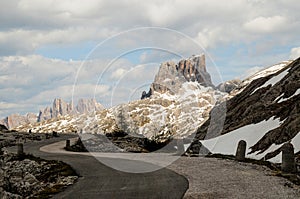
<point x="99" y="181"/>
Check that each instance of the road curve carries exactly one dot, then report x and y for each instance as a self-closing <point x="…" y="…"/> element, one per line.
<point x="100" y="181"/>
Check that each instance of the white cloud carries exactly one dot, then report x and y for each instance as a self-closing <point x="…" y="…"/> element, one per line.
<point x="266" y="24"/>
<point x="295" y="53"/>
<point x="30" y="24"/>
<point x="35" y="80"/>
<point x="7" y="106"/>
<point x="66" y="91"/>
<point x="118" y="73"/>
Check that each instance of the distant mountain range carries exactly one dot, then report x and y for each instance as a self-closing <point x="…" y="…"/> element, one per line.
<point x="179" y="101"/>
<point x="58" y="108"/>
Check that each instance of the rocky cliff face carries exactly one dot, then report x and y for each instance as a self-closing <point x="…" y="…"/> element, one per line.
<point x="271" y="97"/>
<point x="172" y="76"/>
<point x="88" y="105"/>
<point x="45" y="114"/>
<point x="59" y="108"/>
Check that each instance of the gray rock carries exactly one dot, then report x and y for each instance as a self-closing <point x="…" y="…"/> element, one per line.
<point x="45" y="114"/>
<point x="229" y="86"/>
<point x="171" y="76"/>
<point x="88" y="105"/>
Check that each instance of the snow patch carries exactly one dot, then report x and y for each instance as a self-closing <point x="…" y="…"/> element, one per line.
<point x="285" y="99"/>
<point x="274" y="80"/>
<point x="280" y="96"/>
<point x="227" y="144"/>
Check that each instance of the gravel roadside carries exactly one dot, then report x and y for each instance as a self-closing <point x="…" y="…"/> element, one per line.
<point x="220" y="178"/>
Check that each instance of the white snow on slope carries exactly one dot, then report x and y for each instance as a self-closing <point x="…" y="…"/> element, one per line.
<point x="161" y="115"/>
<point x="262" y="73"/>
<point x="280" y="96"/>
<point x="274" y="80"/>
<point x="268" y="71"/>
<point x="285" y="99"/>
<point x="227" y="144"/>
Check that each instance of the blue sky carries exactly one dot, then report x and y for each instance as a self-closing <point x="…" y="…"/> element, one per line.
<point x="44" y="44"/>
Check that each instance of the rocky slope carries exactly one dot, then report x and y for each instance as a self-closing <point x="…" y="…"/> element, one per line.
<point x="162" y="115"/>
<point x="30" y="177"/>
<point x="59" y="108"/>
<point x="266" y="112"/>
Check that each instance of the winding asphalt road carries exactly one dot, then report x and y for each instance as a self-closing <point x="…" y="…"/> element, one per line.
<point x="100" y="181"/>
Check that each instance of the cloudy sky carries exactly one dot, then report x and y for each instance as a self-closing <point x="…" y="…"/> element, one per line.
<point x="112" y="49"/>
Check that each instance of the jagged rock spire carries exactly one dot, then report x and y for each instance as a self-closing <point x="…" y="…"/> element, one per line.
<point x="171" y="76"/>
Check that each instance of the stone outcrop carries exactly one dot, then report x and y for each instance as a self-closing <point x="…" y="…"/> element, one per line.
<point x="171" y="76"/>
<point x="28" y="177"/>
<point x="229" y="86"/>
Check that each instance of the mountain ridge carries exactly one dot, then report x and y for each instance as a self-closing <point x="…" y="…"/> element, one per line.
<point x="59" y="108"/>
<point x="162" y="115"/>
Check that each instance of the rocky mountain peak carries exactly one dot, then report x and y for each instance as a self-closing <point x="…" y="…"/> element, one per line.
<point x="171" y="76"/>
<point x="60" y="107"/>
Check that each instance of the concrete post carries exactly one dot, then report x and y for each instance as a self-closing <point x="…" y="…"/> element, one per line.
<point x="288" y="158"/>
<point x="20" y="149"/>
<point x="241" y="151"/>
<point x="68" y="144"/>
